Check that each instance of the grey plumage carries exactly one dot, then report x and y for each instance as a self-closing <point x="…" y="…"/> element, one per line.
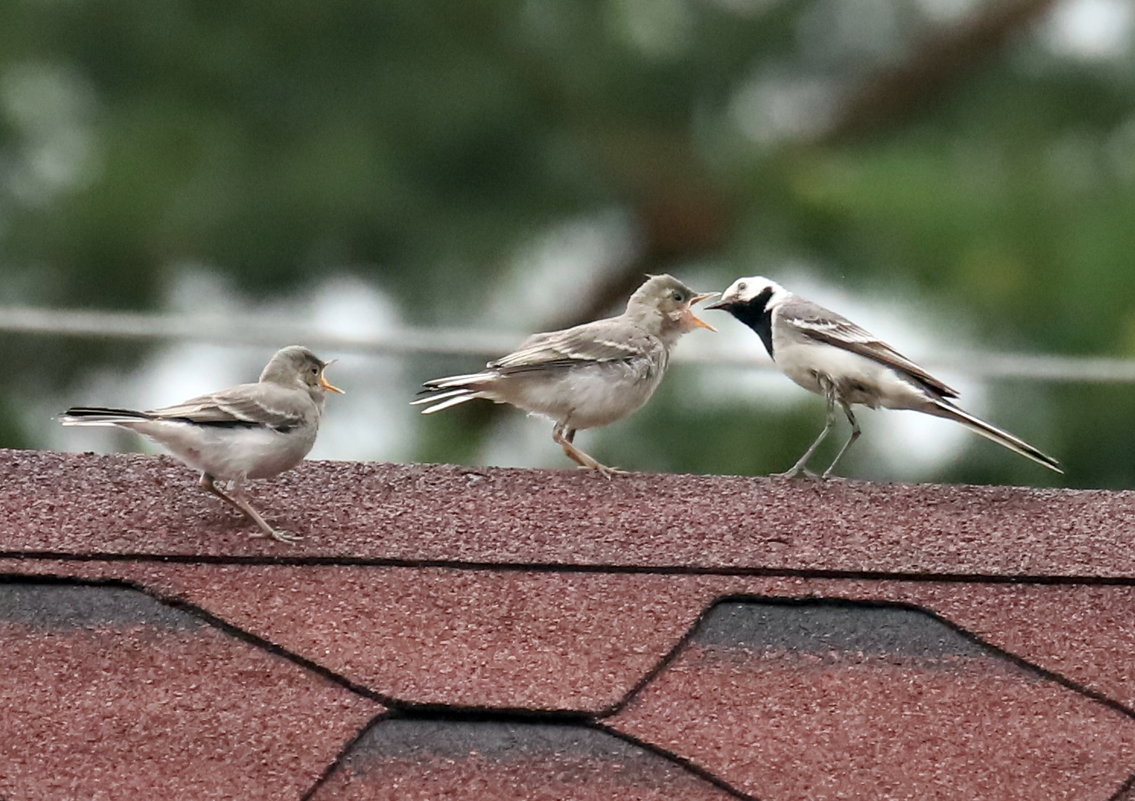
<point x="586" y="376"/>
<point x="249" y="431"/>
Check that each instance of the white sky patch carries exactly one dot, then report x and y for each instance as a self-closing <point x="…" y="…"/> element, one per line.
<point x="1092" y="30"/>
<point x="373" y="420"/>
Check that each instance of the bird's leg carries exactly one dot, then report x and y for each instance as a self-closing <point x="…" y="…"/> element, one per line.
<point x="208" y="483"/>
<point x="564" y="436"/>
<point x="242" y="503"/>
<point x="235" y="497"/>
<point x="798" y="468"/>
<point x="855" y="432"/>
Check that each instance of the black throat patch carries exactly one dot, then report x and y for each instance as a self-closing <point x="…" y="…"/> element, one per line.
<point x="756" y="314"/>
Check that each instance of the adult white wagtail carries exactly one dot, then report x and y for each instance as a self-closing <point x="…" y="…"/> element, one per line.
<point x="833" y="357"/>
<point x="249" y="431"/>
<point x="589" y="375"/>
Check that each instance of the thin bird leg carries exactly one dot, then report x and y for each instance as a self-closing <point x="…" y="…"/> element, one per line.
<point x="855" y="432"/>
<point x="798" y="469"/>
<point x="563" y="437"/>
<point x="207" y="483"/>
<point x="236" y="498"/>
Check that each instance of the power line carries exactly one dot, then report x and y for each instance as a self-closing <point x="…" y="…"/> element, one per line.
<point x="406" y="341"/>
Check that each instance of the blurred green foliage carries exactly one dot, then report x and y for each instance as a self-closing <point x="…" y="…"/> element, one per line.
<point x="421" y="144"/>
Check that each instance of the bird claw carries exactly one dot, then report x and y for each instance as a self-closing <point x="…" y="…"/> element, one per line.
<point x="279" y="536"/>
<point x="604" y="470"/>
<point x="609" y="472"/>
<point x="801" y="472"/>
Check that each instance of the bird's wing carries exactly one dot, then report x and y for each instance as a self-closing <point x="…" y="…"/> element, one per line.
<point x="262" y="404"/>
<point x="608" y="340"/>
<point x="816" y="322"/>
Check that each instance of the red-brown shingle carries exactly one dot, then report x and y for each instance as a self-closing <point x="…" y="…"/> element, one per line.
<point x="422" y="760"/>
<point x="825" y="700"/>
<point x="108" y="693"/>
<point x="536" y="633"/>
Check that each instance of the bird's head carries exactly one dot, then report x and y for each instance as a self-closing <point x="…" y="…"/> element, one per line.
<point x="296" y="364"/>
<point x="754" y="294"/>
<point x="664" y="306"/>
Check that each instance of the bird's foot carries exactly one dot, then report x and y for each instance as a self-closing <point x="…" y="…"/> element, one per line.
<point x="604" y="470"/>
<point x="801" y="472"/>
<point x="278" y="535"/>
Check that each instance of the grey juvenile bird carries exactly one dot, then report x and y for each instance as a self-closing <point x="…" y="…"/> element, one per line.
<point x="587" y="376"/>
<point x="249" y="431"/>
<point x="833" y="357"/>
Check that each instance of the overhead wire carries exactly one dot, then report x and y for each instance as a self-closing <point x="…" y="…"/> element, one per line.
<point x="412" y="341"/>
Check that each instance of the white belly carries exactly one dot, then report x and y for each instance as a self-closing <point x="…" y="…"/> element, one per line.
<point x="230" y="453"/>
<point x="859" y="380"/>
<point x="584" y="397"/>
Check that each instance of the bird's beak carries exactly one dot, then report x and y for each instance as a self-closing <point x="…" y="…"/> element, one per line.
<point x="327" y="385"/>
<point x="721" y="304"/>
<point x="693" y="318"/>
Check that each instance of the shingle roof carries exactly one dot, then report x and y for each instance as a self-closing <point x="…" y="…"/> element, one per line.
<point x="496" y="633"/>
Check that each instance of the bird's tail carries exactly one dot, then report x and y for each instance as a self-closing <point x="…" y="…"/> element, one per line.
<point x="100" y="416"/>
<point x="441" y="393"/>
<point x="943" y="408"/>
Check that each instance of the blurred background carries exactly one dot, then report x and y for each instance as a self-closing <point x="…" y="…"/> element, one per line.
<point x="414" y="186"/>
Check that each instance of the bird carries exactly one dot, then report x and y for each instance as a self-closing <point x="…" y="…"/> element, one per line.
<point x="831" y="356"/>
<point x="589" y="375"/>
<point x="245" y="432"/>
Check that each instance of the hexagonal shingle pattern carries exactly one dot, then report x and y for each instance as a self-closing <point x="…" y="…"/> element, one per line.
<point x="823" y="700"/>
<point x="536" y="634"/>
<point x="402" y="759"/>
<point x="104" y="691"/>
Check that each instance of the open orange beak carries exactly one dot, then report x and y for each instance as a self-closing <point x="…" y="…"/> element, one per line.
<point x="327" y="385"/>
<point x="693" y="319"/>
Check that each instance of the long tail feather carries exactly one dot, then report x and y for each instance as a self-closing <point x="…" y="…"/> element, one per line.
<point x="459" y="381"/>
<point x="945" y="409"/>
<point x="100" y="416"/>
<point x="435" y="395"/>
<point x="441" y="393"/>
<point x="447" y="400"/>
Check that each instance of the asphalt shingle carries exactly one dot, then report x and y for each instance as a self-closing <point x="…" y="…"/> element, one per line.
<point x="550" y="634"/>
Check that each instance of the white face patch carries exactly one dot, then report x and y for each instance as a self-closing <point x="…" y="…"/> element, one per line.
<point x="745" y="289"/>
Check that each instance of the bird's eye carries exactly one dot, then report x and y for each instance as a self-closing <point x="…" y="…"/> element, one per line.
<point x="741" y="287"/>
<point x="315" y="371"/>
<point x="676" y="296"/>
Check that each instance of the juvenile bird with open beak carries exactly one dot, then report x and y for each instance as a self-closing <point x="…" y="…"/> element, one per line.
<point x="587" y="376"/>
<point x="248" y="431"/>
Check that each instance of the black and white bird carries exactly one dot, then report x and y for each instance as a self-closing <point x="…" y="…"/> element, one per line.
<point x="828" y="354"/>
<point x="587" y="376"/>
<point x="249" y="431"/>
